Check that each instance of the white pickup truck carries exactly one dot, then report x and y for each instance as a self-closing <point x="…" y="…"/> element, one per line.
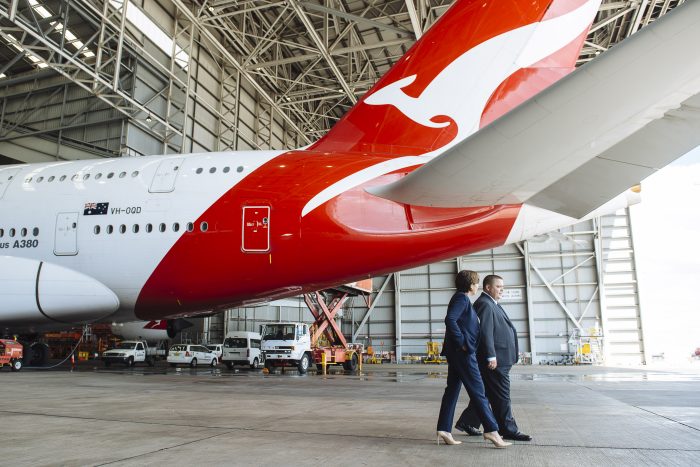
<point x="129" y="353"/>
<point x="287" y="344"/>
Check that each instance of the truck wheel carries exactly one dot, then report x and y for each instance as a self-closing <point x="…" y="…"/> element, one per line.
<point x="268" y="366"/>
<point x="255" y="364"/>
<point x="351" y="365"/>
<point x="130" y="361"/>
<point x="150" y="362"/>
<point x="214" y="362"/>
<point x="303" y="364"/>
<point x="173" y="365"/>
<point x="229" y="365"/>
<point x="193" y="363"/>
<point x="107" y="363"/>
<point x="16" y="365"/>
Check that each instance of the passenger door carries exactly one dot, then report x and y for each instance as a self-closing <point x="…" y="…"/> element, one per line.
<point x="256" y="229"/>
<point x="166" y="174"/>
<point x="66" y="237"/>
<point x="6" y="177"/>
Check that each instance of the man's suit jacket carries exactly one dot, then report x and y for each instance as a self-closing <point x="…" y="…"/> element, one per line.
<point x="461" y="325"/>
<point x="498" y="335"/>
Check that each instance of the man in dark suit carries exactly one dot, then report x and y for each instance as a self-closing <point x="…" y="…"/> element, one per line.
<point x="497" y="353"/>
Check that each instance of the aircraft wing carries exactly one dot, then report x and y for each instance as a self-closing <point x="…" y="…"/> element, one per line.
<point x="584" y="140"/>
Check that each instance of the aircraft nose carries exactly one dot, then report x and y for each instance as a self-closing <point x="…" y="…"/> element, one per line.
<point x="70" y="296"/>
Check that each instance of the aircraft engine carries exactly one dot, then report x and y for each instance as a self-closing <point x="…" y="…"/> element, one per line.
<point x="35" y="292"/>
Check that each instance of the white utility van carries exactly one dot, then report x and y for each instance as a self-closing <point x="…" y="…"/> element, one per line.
<point x="242" y="348"/>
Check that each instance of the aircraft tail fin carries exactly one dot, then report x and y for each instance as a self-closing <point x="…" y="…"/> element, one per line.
<point x="480" y="60"/>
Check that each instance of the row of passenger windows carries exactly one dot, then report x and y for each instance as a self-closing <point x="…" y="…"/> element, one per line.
<point x="111" y="175"/>
<point x="162" y="227"/>
<point x="22" y="232"/>
<point x="75" y="177"/>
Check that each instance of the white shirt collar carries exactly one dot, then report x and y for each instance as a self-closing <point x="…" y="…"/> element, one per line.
<point x="489" y="296"/>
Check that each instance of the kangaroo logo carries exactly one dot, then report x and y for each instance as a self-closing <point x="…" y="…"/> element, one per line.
<point x="463" y="88"/>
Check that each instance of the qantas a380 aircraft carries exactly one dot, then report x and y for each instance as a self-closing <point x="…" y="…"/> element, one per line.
<point x="455" y="150"/>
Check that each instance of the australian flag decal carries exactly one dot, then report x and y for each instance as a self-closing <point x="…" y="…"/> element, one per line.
<point x="95" y="209"/>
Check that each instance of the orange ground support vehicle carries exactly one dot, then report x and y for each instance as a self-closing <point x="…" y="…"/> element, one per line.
<point x="11" y="353"/>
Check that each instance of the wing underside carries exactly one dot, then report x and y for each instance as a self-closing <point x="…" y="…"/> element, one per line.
<point x="586" y="139"/>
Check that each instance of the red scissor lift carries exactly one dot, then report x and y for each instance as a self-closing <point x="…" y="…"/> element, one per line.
<point x="324" y="307"/>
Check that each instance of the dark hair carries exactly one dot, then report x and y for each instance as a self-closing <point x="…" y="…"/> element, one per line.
<point x="465" y="279"/>
<point x="490" y="280"/>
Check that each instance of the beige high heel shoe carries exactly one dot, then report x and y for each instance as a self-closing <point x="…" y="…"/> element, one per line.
<point x="446" y="438"/>
<point x="496" y="439"/>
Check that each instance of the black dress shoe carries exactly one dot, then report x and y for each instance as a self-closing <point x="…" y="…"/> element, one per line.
<point x="517" y="436"/>
<point x="469" y="430"/>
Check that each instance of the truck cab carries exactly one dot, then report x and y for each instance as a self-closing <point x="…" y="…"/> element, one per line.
<point x="286" y="344"/>
<point x="129" y="353"/>
<point x="11" y="353"/>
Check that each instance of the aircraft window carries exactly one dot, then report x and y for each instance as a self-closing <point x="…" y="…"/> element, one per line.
<point x="86" y="176"/>
<point x="161" y="227"/>
<point x="122" y="175"/>
<point x="63" y="177"/>
<point x="110" y="175"/>
<point x="74" y="177"/>
<point x="38" y="180"/>
<point x="2" y="232"/>
<point x="97" y="230"/>
<point x="176" y="227"/>
<point x="12" y="232"/>
<point x="28" y="180"/>
<point x="190" y="226"/>
<point x="212" y="170"/>
<point x="51" y="178"/>
<point x="175" y="169"/>
<point x="122" y="228"/>
<point x="227" y="169"/>
<point x="239" y="168"/>
<point x="203" y="226"/>
<point x="110" y="229"/>
<point x="10" y="177"/>
<point x="98" y="176"/>
<point x="134" y="173"/>
<point x="35" y="231"/>
<point x="24" y="231"/>
<point x="199" y="170"/>
<point x="149" y="228"/>
<point x="135" y="228"/>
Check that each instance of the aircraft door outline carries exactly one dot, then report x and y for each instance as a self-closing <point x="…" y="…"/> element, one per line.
<point x="66" y="235"/>
<point x="255" y="237"/>
<point x="166" y="175"/>
<point x="6" y="177"/>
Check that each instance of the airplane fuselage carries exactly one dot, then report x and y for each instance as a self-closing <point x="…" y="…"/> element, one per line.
<point x="177" y="236"/>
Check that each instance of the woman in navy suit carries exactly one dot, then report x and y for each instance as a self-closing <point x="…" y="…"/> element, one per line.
<point x="461" y="342"/>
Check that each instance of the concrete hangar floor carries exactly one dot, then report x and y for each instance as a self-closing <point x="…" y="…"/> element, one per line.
<point x="384" y="416"/>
